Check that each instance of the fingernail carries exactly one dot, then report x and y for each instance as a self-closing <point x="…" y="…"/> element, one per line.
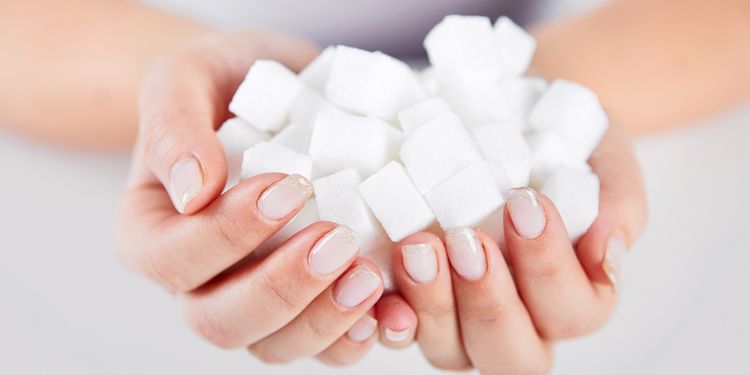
<point x="526" y="213"/>
<point x="420" y="261"/>
<point x="334" y="250"/>
<point x="362" y="329"/>
<point x="356" y="286"/>
<point x="185" y="182"/>
<point x="397" y="336"/>
<point x="465" y="253"/>
<point x="614" y="260"/>
<point x="285" y="196"/>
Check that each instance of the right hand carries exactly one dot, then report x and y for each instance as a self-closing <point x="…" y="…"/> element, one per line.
<point x="175" y="227"/>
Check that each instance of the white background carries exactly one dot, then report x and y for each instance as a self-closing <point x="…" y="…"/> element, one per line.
<point x="68" y="307"/>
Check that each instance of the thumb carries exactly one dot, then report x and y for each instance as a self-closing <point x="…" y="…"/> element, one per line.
<point x="180" y="148"/>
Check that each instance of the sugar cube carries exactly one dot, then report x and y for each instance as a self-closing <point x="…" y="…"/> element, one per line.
<point x="235" y="137"/>
<point x="308" y="105"/>
<point x="476" y="102"/>
<point x="436" y="151"/>
<point x="294" y="137"/>
<point x="371" y="83"/>
<point x="573" y="112"/>
<point x="465" y="46"/>
<point x="344" y="141"/>
<point x="417" y="115"/>
<point x="549" y="152"/>
<point x="267" y="157"/>
<point x="395" y="201"/>
<point x="315" y="75"/>
<point x="339" y="201"/>
<point x="306" y="216"/>
<point x="507" y="147"/>
<point x="575" y="193"/>
<point x="266" y="95"/>
<point x="516" y="45"/>
<point x="522" y="94"/>
<point x="429" y="81"/>
<point x="503" y="181"/>
<point x="466" y="199"/>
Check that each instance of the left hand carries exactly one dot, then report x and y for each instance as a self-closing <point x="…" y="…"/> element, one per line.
<point x="474" y="309"/>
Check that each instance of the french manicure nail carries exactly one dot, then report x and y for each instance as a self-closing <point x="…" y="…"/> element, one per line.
<point x="420" y="261"/>
<point x="465" y="253"/>
<point x="185" y="182"/>
<point x="285" y="196"/>
<point x="526" y="213"/>
<point x="334" y="250"/>
<point x="396" y="336"/>
<point x="356" y="286"/>
<point x="362" y="329"/>
<point x="614" y="260"/>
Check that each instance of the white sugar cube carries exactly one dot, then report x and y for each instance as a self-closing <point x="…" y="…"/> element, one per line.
<point x="315" y="75"/>
<point x="429" y="81"/>
<point x="476" y="102"/>
<point x="522" y="94"/>
<point x="395" y="201"/>
<point x="503" y="182"/>
<point x="308" y="105"/>
<point x="465" y="46"/>
<point x="294" y="137"/>
<point x="419" y="114"/>
<point x="235" y="137"/>
<point x="549" y="152"/>
<point x="506" y="146"/>
<point x="348" y="141"/>
<point x="572" y="111"/>
<point x="466" y="199"/>
<point x="436" y="151"/>
<point x="266" y="157"/>
<point x="516" y="44"/>
<point x="576" y="195"/>
<point x="305" y="217"/>
<point x="266" y="95"/>
<point x="339" y="201"/>
<point x="371" y="83"/>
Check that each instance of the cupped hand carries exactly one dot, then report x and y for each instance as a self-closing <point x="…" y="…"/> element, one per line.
<point x="176" y="227"/>
<point x="468" y="306"/>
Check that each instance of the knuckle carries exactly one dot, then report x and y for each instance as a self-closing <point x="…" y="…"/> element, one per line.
<point x="568" y="327"/>
<point x="286" y="299"/>
<point x="264" y="356"/>
<point x="542" y="268"/>
<point x="450" y="364"/>
<point x="162" y="269"/>
<point x="338" y="360"/>
<point x="233" y="235"/>
<point x="211" y="331"/>
<point x="436" y="311"/>
<point x="485" y="314"/>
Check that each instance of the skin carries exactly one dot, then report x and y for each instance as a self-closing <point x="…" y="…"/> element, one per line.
<point x="183" y="75"/>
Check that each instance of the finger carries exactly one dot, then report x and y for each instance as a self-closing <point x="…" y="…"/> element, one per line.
<point x="423" y="275"/>
<point x="184" y="99"/>
<point x="622" y="214"/>
<point x="547" y="272"/>
<point x="398" y="321"/>
<point x="498" y="333"/>
<point x="256" y="299"/>
<point x="354" y="345"/>
<point x="326" y="319"/>
<point x="183" y="252"/>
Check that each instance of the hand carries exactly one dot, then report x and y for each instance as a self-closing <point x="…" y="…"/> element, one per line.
<point x="175" y="227"/>
<point x="469" y="306"/>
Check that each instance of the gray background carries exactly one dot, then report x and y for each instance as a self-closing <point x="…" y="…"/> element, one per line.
<point x="68" y="307"/>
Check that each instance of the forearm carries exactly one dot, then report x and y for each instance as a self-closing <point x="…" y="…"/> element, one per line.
<point x="70" y="70"/>
<point x="655" y="64"/>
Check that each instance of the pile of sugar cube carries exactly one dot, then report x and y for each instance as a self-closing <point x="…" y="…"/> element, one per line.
<point x="392" y="151"/>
